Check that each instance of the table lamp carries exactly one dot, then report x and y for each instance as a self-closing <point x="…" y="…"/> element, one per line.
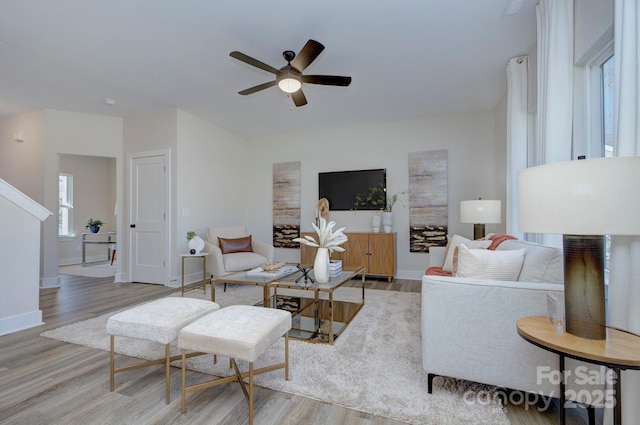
<point x="582" y="200"/>
<point x="480" y="212"/>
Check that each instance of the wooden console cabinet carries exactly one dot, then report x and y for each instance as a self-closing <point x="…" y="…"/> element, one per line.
<point x="376" y="252"/>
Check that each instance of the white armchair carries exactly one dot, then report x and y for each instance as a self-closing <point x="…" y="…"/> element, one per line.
<point x="219" y="264"/>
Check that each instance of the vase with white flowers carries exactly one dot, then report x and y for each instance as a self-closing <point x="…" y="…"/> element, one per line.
<point x="328" y="241"/>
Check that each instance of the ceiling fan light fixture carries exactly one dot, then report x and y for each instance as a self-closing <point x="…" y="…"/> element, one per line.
<point x="289" y="78"/>
<point x="289" y="84"/>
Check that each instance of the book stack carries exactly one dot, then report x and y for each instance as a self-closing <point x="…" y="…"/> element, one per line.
<point x="335" y="268"/>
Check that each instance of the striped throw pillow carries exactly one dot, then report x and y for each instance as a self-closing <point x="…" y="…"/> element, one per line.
<point x="486" y="264"/>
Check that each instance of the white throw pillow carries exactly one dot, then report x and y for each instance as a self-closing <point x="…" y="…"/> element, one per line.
<point x="455" y="242"/>
<point x="479" y="244"/>
<point x="486" y="264"/>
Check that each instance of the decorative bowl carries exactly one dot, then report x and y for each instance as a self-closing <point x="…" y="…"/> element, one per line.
<point x="272" y="267"/>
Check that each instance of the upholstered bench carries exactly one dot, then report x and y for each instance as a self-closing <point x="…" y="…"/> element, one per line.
<point x="158" y="321"/>
<point x="238" y="332"/>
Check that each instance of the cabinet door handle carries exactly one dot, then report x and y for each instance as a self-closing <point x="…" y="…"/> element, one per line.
<point x="133" y="226"/>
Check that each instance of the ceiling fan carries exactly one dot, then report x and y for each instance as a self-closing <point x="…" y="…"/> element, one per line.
<point x="289" y="78"/>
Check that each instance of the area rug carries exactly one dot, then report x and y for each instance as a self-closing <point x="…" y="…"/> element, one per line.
<point x="374" y="367"/>
<point x="101" y="270"/>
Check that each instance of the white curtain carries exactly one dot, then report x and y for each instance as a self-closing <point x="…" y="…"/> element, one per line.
<point x="517" y="117"/>
<point x="554" y="121"/>
<point x="624" y="276"/>
<point x="555" y="81"/>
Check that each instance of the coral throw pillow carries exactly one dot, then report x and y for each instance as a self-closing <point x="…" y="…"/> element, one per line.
<point x="228" y="246"/>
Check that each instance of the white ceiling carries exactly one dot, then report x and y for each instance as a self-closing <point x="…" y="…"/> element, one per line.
<point x="407" y="58"/>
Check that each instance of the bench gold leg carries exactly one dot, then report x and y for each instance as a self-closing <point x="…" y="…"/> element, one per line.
<point x="251" y="393"/>
<point x="111" y="366"/>
<point x="184" y="380"/>
<point x="167" y="385"/>
<point x="239" y="377"/>
<point x="286" y="356"/>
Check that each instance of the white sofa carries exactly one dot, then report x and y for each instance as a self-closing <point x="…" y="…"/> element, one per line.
<point x="469" y="325"/>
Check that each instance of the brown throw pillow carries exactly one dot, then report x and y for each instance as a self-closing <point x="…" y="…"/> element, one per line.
<point x="235" y="245"/>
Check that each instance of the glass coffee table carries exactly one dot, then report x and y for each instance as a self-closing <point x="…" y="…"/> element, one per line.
<point x="317" y="316"/>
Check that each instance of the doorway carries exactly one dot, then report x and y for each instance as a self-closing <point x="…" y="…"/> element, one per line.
<point x="87" y="189"/>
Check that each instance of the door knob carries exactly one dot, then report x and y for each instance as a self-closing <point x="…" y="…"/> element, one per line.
<point x="132" y="226"/>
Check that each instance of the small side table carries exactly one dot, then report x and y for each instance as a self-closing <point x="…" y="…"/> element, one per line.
<point x="203" y="256"/>
<point x="619" y="351"/>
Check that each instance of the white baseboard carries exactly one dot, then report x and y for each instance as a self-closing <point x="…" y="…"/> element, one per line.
<point x="20" y="322"/>
<point x="78" y="260"/>
<point x="410" y="274"/>
<point x="50" y="282"/>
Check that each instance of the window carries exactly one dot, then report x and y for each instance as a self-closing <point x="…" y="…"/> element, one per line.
<point x="601" y="107"/>
<point x="599" y="92"/>
<point x="607" y="76"/>
<point x="65" y="204"/>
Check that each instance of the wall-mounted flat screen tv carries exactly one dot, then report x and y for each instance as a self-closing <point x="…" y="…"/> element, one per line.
<point x="341" y="187"/>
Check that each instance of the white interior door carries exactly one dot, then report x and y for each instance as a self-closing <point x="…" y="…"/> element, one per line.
<point x="148" y="227"/>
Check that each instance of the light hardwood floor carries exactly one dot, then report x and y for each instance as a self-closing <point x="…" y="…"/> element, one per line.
<point x="43" y="381"/>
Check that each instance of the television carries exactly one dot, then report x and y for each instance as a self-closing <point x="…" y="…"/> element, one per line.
<point x="341" y="187"/>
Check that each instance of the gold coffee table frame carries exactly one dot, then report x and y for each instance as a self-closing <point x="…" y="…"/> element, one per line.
<point x="312" y="311"/>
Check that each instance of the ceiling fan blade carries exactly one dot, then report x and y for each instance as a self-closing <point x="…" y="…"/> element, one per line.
<point x="327" y="80"/>
<point x="308" y="54"/>
<point x="257" y="88"/>
<point x="254" y="62"/>
<point x="299" y="98"/>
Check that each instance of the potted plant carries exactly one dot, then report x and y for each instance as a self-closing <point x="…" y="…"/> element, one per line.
<point x="376" y="197"/>
<point x="195" y="243"/>
<point x="94" y="225"/>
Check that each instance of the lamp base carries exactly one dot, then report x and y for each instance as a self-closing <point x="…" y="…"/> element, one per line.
<point x="478" y="231"/>
<point x="584" y="286"/>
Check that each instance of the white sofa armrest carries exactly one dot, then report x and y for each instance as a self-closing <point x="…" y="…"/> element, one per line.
<point x="436" y="255"/>
<point x="215" y="265"/>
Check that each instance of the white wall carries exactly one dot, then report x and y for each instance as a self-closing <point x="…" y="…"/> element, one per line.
<point x="212" y="175"/>
<point x="469" y="138"/>
<point x="22" y="164"/>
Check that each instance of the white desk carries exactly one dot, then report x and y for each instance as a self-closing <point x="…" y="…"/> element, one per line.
<point x="108" y="239"/>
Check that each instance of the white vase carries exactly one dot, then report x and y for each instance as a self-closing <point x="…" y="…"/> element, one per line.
<point x="376" y="220"/>
<point x="321" y="265"/>
<point x="387" y="221"/>
<point x="196" y="243"/>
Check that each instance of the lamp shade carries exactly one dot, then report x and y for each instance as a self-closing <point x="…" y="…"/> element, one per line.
<point x="587" y="197"/>
<point x="289" y="85"/>
<point x="481" y="211"/>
